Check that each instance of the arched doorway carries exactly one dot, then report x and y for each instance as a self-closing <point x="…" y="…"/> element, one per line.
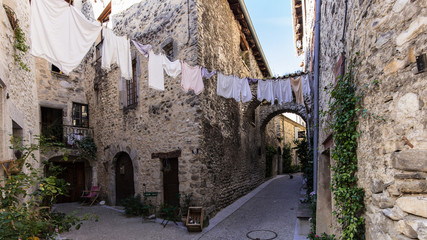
<point x="124" y="178"/>
<point x="76" y="171"/>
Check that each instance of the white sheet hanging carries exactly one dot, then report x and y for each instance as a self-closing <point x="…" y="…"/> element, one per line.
<point x="305" y="85"/>
<point x="246" y="90"/>
<point x="156" y="78"/>
<point x="265" y="91"/>
<point x="116" y="50"/>
<point x="224" y="85"/>
<point x="60" y="33"/>
<point x="286" y="91"/>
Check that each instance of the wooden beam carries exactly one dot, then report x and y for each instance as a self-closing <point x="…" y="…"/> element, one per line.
<point x="104" y="16"/>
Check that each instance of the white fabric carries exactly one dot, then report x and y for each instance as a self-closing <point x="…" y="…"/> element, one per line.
<point x="60" y="33"/>
<point x="116" y="50"/>
<point x="172" y="69"/>
<point x="236" y="87"/>
<point x="156" y="65"/>
<point x="305" y="85"/>
<point x="233" y="87"/>
<point x="265" y="91"/>
<point x="286" y="91"/>
<point x="225" y="85"/>
<point x="277" y="90"/>
<point x="192" y="78"/>
<point x="156" y="78"/>
<point x="246" y="90"/>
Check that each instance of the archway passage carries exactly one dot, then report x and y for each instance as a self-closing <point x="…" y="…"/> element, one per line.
<point x="124" y="178"/>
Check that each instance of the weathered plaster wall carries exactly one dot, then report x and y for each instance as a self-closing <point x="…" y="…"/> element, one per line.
<point x="389" y="35"/>
<point x="18" y="90"/>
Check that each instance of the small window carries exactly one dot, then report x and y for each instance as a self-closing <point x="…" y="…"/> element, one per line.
<point x="56" y="69"/>
<point x="98" y="50"/>
<point x="168" y="51"/>
<point x="80" y="115"/>
<point x="131" y="87"/>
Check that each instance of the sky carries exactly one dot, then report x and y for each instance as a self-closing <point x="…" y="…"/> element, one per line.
<point x="272" y="20"/>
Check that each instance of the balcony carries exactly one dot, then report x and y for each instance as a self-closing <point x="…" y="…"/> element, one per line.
<point x="65" y="133"/>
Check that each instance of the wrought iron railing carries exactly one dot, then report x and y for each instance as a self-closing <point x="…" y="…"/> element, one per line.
<point x="65" y="133"/>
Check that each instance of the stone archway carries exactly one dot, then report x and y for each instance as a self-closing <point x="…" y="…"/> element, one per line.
<point x="267" y="112"/>
<point x="124" y="177"/>
<point x="113" y="155"/>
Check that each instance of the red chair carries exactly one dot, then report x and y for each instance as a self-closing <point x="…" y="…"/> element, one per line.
<point x="91" y="195"/>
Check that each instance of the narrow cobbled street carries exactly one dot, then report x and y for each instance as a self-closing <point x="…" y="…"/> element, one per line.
<point x="268" y="211"/>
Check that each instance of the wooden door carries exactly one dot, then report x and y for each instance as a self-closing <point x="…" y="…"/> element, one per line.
<point x="170" y="181"/>
<point x="73" y="173"/>
<point x="124" y="178"/>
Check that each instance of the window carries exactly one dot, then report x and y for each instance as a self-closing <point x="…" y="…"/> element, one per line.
<point x="80" y="115"/>
<point x="168" y="51"/>
<point x="56" y="69"/>
<point x="131" y="87"/>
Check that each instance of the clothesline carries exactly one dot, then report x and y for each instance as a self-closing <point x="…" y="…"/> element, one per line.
<point x="116" y="49"/>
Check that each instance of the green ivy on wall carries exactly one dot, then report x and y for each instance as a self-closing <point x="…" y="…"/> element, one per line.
<point x="349" y="198"/>
<point x="19" y="43"/>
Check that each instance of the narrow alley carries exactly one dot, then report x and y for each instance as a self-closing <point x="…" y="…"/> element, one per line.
<point x="268" y="212"/>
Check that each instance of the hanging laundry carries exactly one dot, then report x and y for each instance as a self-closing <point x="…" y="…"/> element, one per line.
<point x="286" y="91"/>
<point x="225" y="85"/>
<point x="143" y="49"/>
<point x="265" y="91"/>
<point x="192" y="78"/>
<point x="277" y="90"/>
<point x="234" y="87"/>
<point x="172" y="69"/>
<point x="245" y="90"/>
<point x="60" y="33"/>
<point x="156" y="64"/>
<point x="116" y="50"/>
<point x="305" y="85"/>
<point x="297" y="88"/>
<point x="155" y="71"/>
<point x="206" y="74"/>
<point x="252" y="80"/>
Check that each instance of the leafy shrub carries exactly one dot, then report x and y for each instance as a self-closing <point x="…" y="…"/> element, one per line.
<point x="133" y="205"/>
<point x="26" y="199"/>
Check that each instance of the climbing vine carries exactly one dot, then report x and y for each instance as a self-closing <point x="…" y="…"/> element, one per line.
<point x="19" y="43"/>
<point x="344" y="107"/>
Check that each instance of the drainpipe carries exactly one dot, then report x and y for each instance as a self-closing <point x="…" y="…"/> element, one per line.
<point x="316" y="93"/>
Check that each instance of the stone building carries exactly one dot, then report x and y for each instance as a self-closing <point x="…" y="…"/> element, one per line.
<point x="284" y="129"/>
<point x="390" y="37"/>
<point x="19" y="110"/>
<point x="170" y="141"/>
<point x="147" y="140"/>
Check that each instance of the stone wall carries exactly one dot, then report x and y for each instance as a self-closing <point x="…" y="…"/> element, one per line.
<point x="162" y="121"/>
<point x="18" y="92"/>
<point x="389" y="35"/>
<point x="230" y="142"/>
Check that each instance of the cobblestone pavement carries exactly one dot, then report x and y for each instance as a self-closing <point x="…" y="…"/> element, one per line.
<point x="268" y="211"/>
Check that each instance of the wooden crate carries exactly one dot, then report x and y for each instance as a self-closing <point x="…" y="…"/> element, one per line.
<point x="195" y="219"/>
